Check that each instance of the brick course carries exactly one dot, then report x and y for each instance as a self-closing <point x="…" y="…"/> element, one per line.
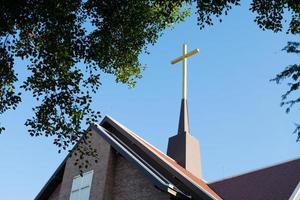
<point x="114" y="177"/>
<point x="130" y="184"/>
<point x="100" y="168"/>
<point x="55" y="194"/>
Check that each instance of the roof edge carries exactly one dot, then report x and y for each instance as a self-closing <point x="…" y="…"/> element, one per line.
<point x="156" y="178"/>
<point x="51" y="179"/>
<point x="116" y="124"/>
<point x="255" y="170"/>
<point x="58" y="169"/>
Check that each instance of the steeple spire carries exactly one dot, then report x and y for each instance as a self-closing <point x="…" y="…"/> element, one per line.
<point x="183" y="147"/>
<point x="183" y="126"/>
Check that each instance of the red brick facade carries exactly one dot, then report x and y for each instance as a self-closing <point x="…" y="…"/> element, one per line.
<point x="114" y="178"/>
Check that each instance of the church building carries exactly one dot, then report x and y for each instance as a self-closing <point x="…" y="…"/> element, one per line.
<point x="130" y="168"/>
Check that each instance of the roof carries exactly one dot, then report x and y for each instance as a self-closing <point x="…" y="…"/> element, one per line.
<point x="53" y="182"/>
<point x="130" y="155"/>
<point x="162" y="170"/>
<point x="162" y="163"/>
<point x="276" y="182"/>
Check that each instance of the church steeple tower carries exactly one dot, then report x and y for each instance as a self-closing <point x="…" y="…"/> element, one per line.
<point x="183" y="126"/>
<point x="183" y="147"/>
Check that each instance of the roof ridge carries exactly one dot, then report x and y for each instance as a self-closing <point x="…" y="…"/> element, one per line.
<point x="136" y="135"/>
<point x="171" y="162"/>
<point x="142" y="140"/>
<point x="255" y="170"/>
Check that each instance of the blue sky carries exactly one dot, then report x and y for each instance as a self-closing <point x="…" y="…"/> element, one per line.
<point x="234" y="108"/>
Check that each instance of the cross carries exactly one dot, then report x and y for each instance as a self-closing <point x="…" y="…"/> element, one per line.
<point x="183" y="58"/>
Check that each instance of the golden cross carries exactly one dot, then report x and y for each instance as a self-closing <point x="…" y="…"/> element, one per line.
<point x="183" y="58"/>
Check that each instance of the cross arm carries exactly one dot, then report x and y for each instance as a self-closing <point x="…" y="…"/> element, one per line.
<point x="195" y="51"/>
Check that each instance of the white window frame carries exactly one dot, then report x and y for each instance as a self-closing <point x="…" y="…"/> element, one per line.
<point x="81" y="187"/>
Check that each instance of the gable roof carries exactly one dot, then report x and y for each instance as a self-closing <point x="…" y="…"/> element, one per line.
<point x="276" y="182"/>
<point x="162" y="163"/>
<point x="162" y="170"/>
<point x="155" y="177"/>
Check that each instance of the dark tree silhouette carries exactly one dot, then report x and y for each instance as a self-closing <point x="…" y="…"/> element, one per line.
<point x="70" y="43"/>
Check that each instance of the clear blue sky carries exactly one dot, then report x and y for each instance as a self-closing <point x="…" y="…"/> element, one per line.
<point x="234" y="108"/>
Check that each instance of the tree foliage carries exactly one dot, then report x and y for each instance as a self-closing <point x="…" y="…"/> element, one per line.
<point x="291" y="74"/>
<point x="70" y="43"/>
<point x="274" y="15"/>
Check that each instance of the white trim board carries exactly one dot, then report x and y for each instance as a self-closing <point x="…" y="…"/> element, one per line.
<point x="296" y="194"/>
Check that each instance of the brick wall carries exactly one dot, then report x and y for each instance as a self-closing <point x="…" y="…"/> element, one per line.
<point x="130" y="184"/>
<point x="55" y="194"/>
<point x="114" y="178"/>
<point x="100" y="169"/>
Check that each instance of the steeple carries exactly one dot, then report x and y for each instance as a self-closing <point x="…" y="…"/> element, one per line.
<point x="183" y="147"/>
<point x="184" y="126"/>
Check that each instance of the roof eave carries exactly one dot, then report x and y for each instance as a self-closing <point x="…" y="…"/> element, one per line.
<point x="156" y="178"/>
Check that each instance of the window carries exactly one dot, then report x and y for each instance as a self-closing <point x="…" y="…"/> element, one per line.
<point x="81" y="186"/>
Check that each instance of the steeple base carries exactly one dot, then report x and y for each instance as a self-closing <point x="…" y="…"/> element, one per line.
<point x="185" y="150"/>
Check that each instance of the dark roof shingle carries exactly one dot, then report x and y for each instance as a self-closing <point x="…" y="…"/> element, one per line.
<point x="271" y="183"/>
